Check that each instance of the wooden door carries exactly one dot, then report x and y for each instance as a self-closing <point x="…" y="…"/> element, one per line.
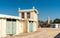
<point x="9" y="27"/>
<point x="30" y="26"/>
<point x="13" y="27"/>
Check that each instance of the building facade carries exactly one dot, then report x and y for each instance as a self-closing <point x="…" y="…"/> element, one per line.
<point x="25" y="22"/>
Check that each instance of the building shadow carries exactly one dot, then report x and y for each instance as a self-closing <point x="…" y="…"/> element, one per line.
<point x="57" y="36"/>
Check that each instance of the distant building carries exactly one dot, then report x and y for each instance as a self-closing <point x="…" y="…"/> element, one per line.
<point x="27" y="21"/>
<point x="55" y="25"/>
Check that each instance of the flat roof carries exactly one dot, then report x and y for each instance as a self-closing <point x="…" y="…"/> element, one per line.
<point x="9" y="16"/>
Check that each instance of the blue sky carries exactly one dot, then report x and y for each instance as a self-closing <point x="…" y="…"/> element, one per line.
<point x="45" y="7"/>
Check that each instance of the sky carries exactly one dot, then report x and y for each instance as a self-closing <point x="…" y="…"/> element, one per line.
<point x="45" y="8"/>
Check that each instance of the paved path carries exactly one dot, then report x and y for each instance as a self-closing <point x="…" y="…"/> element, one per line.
<point x="42" y="33"/>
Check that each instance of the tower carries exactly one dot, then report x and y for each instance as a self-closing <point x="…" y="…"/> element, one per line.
<point x="48" y="20"/>
<point x="30" y="19"/>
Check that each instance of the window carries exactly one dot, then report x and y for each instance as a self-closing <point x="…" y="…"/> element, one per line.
<point x="11" y="19"/>
<point x="8" y="19"/>
<point x="22" y="14"/>
<point x="28" y="14"/>
<point x="30" y="21"/>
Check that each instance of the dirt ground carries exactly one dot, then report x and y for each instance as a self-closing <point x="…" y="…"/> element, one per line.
<point x="41" y="33"/>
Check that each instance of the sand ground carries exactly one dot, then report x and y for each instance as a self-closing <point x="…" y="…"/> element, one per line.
<point x="41" y="33"/>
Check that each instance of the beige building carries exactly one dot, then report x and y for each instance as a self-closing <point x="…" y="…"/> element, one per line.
<point x="27" y="21"/>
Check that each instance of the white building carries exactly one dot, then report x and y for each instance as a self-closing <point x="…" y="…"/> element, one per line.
<point x="27" y="21"/>
<point x="55" y="25"/>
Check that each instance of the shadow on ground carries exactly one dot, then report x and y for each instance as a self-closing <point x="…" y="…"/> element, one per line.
<point x="57" y="36"/>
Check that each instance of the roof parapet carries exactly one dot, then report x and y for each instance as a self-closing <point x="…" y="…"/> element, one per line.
<point x="33" y="7"/>
<point x="26" y="10"/>
<point x="18" y="9"/>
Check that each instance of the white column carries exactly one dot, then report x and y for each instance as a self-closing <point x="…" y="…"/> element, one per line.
<point x="25" y="15"/>
<point x="19" y="14"/>
<point x="31" y="15"/>
<point x="28" y="27"/>
<point x="0" y="28"/>
<point x="3" y="27"/>
<point x="19" y="28"/>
